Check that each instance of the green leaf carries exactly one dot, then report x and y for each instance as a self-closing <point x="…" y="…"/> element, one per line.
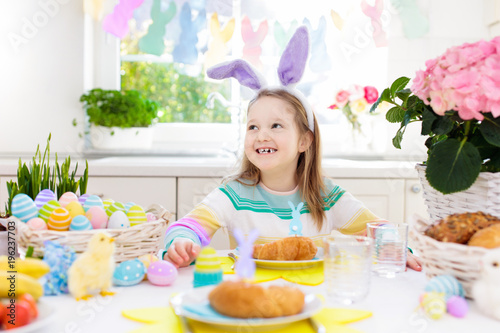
<point x="453" y="166"/>
<point x="490" y="128"/>
<point x="396" y="141"/>
<point x="403" y="95"/>
<point x="428" y="118"/>
<point x="443" y="125"/>
<point x="398" y="85"/>
<point x="486" y="150"/>
<point x="395" y="114"/>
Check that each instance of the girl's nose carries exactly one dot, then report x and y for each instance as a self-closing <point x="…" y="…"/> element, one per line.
<point x="263" y="135"/>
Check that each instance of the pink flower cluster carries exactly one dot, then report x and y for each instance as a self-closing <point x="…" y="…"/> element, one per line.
<point x="465" y="78"/>
<point x="356" y="92"/>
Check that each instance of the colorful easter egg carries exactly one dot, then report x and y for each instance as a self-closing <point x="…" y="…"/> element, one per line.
<point x="59" y="220"/>
<point x="97" y="217"/>
<point x="148" y="259"/>
<point x="75" y="208"/>
<point x="116" y="206"/>
<point x="129" y="273"/>
<point x="80" y="223"/>
<point x="23" y="207"/>
<point x="128" y="205"/>
<point x="208" y="269"/>
<point x="162" y="273"/>
<point x="151" y="217"/>
<point x="118" y="220"/>
<point x="136" y="215"/>
<point x="46" y="210"/>
<point x="434" y="304"/>
<point x="457" y="306"/>
<point x="37" y="223"/>
<point x="82" y="198"/>
<point x="66" y="198"/>
<point x="107" y="203"/>
<point x="43" y="197"/>
<point x="93" y="200"/>
<point x="447" y="284"/>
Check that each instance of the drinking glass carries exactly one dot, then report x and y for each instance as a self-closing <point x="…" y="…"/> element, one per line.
<point x="347" y="262"/>
<point x="390" y="246"/>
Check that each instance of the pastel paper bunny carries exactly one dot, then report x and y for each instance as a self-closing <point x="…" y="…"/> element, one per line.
<point x="217" y="48"/>
<point x="320" y="60"/>
<point x="152" y="42"/>
<point x="290" y="70"/>
<point x="116" y="23"/>
<point x="295" y="225"/>
<point x="185" y="51"/>
<point x="245" y="266"/>
<point x="374" y="13"/>
<point x="281" y="36"/>
<point x="252" y="40"/>
<point x="415" y="24"/>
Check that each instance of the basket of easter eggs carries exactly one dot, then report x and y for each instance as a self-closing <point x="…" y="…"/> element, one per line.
<point x="455" y="245"/>
<point x="72" y="220"/>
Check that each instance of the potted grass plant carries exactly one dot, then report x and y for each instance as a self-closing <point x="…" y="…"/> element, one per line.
<point x="119" y="119"/>
<point x="456" y="100"/>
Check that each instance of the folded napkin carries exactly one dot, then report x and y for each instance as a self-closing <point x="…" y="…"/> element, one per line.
<point x="163" y="319"/>
<point x="311" y="276"/>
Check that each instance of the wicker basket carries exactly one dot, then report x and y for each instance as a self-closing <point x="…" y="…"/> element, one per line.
<point x="130" y="243"/>
<point x="483" y="195"/>
<point x="461" y="261"/>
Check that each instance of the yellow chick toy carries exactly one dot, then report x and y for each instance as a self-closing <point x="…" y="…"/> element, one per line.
<point x="93" y="269"/>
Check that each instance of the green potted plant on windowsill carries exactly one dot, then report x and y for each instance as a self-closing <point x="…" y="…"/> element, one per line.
<point x="119" y="119"/>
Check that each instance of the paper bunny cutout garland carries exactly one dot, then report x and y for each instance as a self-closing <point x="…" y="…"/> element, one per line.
<point x="217" y="48"/>
<point x="186" y="52"/>
<point x="252" y="40"/>
<point x="116" y="23"/>
<point x="245" y="266"/>
<point x="153" y="42"/>
<point x="290" y="70"/>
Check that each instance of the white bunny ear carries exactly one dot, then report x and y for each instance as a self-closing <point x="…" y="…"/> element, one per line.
<point x="241" y="70"/>
<point x="294" y="58"/>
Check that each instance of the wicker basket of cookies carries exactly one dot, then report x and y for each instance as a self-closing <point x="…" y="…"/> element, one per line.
<point x="130" y="243"/>
<point x="455" y="244"/>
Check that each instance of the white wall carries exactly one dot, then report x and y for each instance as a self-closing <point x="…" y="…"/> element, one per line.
<point x="42" y="78"/>
<point x="41" y="75"/>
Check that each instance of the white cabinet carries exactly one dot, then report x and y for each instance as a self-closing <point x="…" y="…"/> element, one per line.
<point x="414" y="200"/>
<point x="143" y="191"/>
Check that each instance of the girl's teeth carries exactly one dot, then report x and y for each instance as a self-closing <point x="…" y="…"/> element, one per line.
<point x="266" y="150"/>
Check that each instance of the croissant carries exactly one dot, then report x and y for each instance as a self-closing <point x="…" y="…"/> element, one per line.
<point x="289" y="248"/>
<point x="245" y="300"/>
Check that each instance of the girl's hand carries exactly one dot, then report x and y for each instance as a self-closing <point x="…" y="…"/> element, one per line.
<point x="182" y="252"/>
<point x="413" y="262"/>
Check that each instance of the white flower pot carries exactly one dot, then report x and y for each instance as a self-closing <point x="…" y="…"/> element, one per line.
<point x="112" y="138"/>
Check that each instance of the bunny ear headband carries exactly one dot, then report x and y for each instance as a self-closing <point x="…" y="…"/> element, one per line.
<point x="290" y="70"/>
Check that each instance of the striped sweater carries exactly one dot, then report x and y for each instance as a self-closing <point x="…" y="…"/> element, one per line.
<point x="235" y="205"/>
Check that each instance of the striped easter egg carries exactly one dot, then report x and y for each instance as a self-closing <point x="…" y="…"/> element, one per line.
<point x="92" y="201"/>
<point x="116" y="206"/>
<point x="80" y="223"/>
<point x="43" y="197"/>
<point x="23" y="207"/>
<point x="37" y="223"/>
<point x="59" y="220"/>
<point x="107" y="203"/>
<point x="75" y="208"/>
<point x="82" y="198"/>
<point x="136" y="215"/>
<point x="447" y="284"/>
<point x="66" y="198"/>
<point x="46" y="210"/>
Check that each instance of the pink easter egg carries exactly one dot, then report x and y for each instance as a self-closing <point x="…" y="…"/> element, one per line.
<point x="66" y="198"/>
<point x="457" y="306"/>
<point x="97" y="217"/>
<point x="162" y="273"/>
<point x="150" y="217"/>
<point x="37" y="223"/>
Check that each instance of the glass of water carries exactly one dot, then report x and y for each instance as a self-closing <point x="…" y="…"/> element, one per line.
<point x="390" y="246"/>
<point x="347" y="262"/>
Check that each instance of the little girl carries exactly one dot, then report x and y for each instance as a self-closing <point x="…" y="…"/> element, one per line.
<point x="281" y="167"/>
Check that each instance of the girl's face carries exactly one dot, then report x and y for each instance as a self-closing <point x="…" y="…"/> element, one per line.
<point x="273" y="142"/>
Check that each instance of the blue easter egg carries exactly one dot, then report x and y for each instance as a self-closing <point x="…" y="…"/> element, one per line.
<point x="23" y="207"/>
<point x="447" y="284"/>
<point x="93" y="200"/>
<point x="43" y="197"/>
<point x="129" y="273"/>
<point x="79" y="223"/>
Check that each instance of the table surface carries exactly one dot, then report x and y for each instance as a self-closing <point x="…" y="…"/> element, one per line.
<point x="392" y="301"/>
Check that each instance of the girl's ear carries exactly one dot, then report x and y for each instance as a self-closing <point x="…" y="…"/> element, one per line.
<point x="305" y="141"/>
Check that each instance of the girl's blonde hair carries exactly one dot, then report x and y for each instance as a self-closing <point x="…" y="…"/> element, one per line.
<point x="309" y="172"/>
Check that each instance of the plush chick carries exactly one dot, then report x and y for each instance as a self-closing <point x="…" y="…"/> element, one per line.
<point x="486" y="290"/>
<point x="93" y="269"/>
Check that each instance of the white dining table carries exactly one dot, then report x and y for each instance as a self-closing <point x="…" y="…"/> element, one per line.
<point x="393" y="303"/>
